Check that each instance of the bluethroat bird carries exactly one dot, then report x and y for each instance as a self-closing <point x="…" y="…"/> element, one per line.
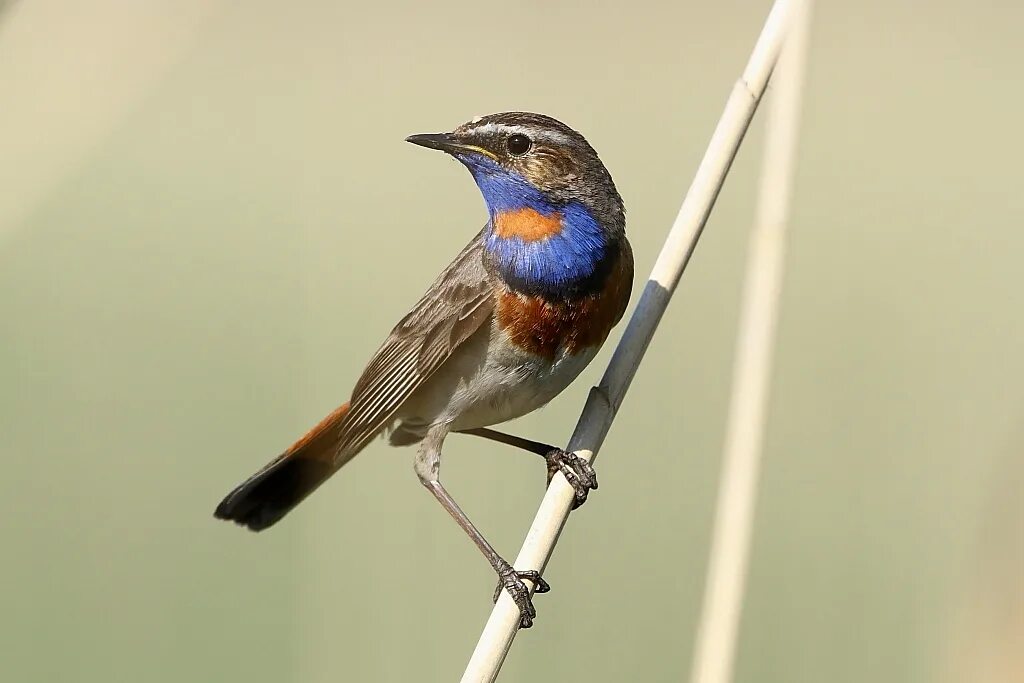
<point x="503" y="330"/>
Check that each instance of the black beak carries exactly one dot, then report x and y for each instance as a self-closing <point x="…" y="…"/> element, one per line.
<point x="442" y="141"/>
<point x="446" y="142"/>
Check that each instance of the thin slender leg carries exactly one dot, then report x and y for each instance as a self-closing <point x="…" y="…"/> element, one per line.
<point x="578" y="472"/>
<point x="428" y="465"/>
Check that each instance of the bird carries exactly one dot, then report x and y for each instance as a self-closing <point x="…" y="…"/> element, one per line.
<point x="505" y="328"/>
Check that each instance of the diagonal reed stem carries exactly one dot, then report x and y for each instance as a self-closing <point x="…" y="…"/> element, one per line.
<point x="604" y="399"/>
<point x="715" y="648"/>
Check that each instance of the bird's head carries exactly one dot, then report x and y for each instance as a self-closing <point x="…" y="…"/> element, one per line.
<point x="522" y="160"/>
<point x="556" y="219"/>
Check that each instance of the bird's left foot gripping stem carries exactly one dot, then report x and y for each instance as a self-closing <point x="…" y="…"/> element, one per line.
<point x="511" y="580"/>
<point x="428" y="464"/>
<point x="508" y="578"/>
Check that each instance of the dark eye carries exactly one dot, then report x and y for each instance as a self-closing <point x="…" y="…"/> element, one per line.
<point x="518" y="144"/>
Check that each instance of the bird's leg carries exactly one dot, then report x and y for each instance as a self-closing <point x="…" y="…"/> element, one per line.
<point x="578" y="472"/>
<point x="428" y="465"/>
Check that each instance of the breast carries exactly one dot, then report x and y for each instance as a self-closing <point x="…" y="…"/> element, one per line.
<point x="545" y="326"/>
<point x="533" y="349"/>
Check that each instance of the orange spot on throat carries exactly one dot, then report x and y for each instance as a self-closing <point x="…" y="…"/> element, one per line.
<point x="527" y="224"/>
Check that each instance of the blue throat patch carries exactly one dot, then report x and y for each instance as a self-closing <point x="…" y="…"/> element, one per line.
<point x="559" y="263"/>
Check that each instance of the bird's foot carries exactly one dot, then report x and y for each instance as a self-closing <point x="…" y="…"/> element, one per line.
<point x="511" y="580"/>
<point x="579" y="473"/>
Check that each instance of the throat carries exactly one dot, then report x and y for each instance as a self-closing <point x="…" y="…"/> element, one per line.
<point x="539" y="248"/>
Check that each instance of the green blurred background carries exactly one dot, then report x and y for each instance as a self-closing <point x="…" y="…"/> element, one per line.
<point x="209" y="220"/>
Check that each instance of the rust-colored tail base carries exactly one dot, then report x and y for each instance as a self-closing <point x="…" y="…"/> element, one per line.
<point x="267" y="496"/>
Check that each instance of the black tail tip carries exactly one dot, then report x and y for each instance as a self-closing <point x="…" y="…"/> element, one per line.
<point x="267" y="496"/>
<point x="254" y="518"/>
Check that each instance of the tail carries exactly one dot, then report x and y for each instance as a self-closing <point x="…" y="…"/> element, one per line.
<point x="267" y="496"/>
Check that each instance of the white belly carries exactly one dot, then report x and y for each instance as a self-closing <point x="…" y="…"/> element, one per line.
<point x="488" y="381"/>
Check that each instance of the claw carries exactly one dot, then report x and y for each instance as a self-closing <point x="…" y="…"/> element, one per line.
<point x="511" y="580"/>
<point x="578" y="472"/>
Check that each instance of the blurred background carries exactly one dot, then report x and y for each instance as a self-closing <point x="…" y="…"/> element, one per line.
<point x="209" y="220"/>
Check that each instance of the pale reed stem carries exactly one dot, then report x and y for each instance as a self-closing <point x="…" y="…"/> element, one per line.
<point x="604" y="399"/>
<point x="737" y="496"/>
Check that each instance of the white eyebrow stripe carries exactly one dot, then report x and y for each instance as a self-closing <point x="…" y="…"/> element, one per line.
<point x="555" y="136"/>
<point x="548" y="135"/>
<point x="489" y="128"/>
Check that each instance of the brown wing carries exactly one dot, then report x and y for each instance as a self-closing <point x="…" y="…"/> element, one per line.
<point x="455" y="306"/>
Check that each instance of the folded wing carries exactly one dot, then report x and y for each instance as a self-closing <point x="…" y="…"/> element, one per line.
<point x="456" y="305"/>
